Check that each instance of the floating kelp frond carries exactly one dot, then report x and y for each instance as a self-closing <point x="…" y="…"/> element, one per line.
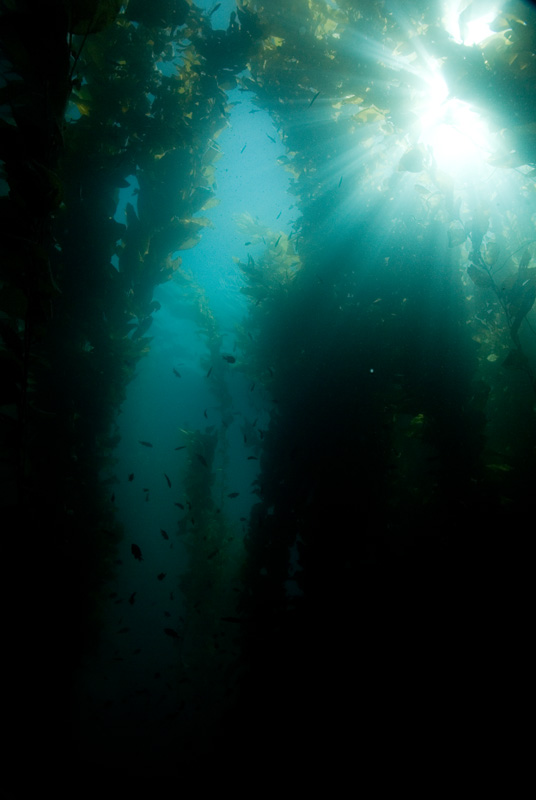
<point x="252" y="228"/>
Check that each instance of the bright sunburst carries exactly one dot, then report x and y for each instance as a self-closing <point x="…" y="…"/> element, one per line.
<point x="469" y="25"/>
<point x="456" y="134"/>
<point x="446" y="131"/>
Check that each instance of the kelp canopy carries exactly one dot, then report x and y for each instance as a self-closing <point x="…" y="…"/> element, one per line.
<point x="392" y="330"/>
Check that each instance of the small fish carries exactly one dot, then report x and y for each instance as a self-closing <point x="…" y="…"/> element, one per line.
<point x="233" y="494"/>
<point x="182" y="447"/>
<point x="136" y="552"/>
<point x="161" y="576"/>
<point x="271" y="138"/>
<point x="177" y="373"/>
<point x="278" y="240"/>
<point x="180" y="505"/>
<point x="214" y="553"/>
<point x="229" y="359"/>
<point x="312" y="101"/>
<point x="208" y="373"/>
<point x="340" y="181"/>
<point x="278" y="215"/>
<point x="246" y="144"/>
<point x="145" y="444"/>
<point x="205" y="414"/>
<point x="202" y="460"/>
<point x="172" y="632"/>
<point x="131" y="476"/>
<point x="210" y="13"/>
<point x="252" y="458"/>
<point x="167" y="479"/>
<point x="113" y="498"/>
<point x="255" y="111"/>
<point x="131" y="598"/>
<point x="252" y="387"/>
<point x="164" y="534"/>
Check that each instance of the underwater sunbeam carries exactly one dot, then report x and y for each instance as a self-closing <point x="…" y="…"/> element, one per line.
<point x="456" y="134"/>
<point x="438" y="95"/>
<point x="472" y="25"/>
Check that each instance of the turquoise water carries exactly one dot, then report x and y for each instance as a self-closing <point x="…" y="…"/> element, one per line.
<point x="171" y="392"/>
<point x="268" y="332"/>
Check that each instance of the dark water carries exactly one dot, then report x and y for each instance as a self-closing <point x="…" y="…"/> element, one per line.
<point x="286" y="481"/>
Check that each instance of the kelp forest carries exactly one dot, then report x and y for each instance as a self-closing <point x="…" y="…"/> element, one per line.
<point x="374" y="393"/>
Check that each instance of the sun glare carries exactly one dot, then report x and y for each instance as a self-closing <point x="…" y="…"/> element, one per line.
<point x="478" y="30"/>
<point x="464" y="27"/>
<point x="436" y="130"/>
<point x="456" y="134"/>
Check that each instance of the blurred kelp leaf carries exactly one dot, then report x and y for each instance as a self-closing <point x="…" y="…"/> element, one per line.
<point x="500" y="23"/>
<point x="187" y="244"/>
<point x="491" y="253"/>
<point x="522" y="306"/>
<point x="480" y="277"/>
<point x="91" y="16"/>
<point x="180" y="234"/>
<point x="509" y="160"/>
<point x="82" y="100"/>
<point x="142" y="328"/>
<point x="425" y="191"/>
<point x="520" y="291"/>
<point x="255" y="230"/>
<point x="525" y="260"/>
<point x="415" y="160"/>
<point x="456" y="234"/>
<point x="257" y="293"/>
<point x="503" y="467"/>
<point x="368" y="115"/>
<point x="202" y="198"/>
<point x="510" y="54"/>
<point x="515" y="359"/>
<point x="198" y="222"/>
<point x="158" y="13"/>
<point x="212" y="202"/>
